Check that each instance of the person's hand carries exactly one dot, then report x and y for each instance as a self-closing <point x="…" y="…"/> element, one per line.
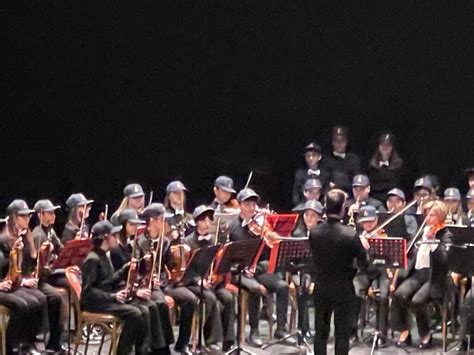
<point x="30" y="283"/>
<point x="121" y="296"/>
<point x="18" y="244"/>
<point x="156" y="283"/>
<point x="354" y="208"/>
<point x="144" y="294"/>
<point x="5" y="286"/>
<point x="174" y="234"/>
<point x="365" y="243"/>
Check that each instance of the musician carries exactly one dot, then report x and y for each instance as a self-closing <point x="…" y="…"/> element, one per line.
<point x="467" y="219"/>
<point x="200" y="238"/>
<point x="423" y="192"/>
<point x="79" y="208"/>
<point x="311" y="191"/>
<point x="385" y="167"/>
<point x="312" y="216"/>
<point x="334" y="247"/>
<point x="224" y="195"/>
<point x="44" y="233"/>
<point x="312" y="156"/>
<point x="102" y="291"/>
<point x="426" y="278"/>
<point x="19" y="216"/>
<point x="175" y="203"/>
<point x="360" y="190"/>
<point x="469" y="172"/>
<point x="452" y="199"/>
<point x="26" y="304"/>
<point x="133" y="197"/>
<point x="374" y="279"/>
<point x="126" y="251"/>
<point x="341" y="163"/>
<point x="396" y="201"/>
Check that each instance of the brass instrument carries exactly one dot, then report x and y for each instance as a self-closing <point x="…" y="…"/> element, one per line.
<point x="351" y="222"/>
<point x="449" y="218"/>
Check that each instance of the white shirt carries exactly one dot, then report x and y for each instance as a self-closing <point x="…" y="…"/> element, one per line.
<point x="423" y="254"/>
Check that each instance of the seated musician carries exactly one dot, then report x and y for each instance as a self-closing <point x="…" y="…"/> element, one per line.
<point x="25" y="303"/>
<point x="224" y="195"/>
<point x="312" y="216"/>
<point x="76" y="225"/>
<point x="133" y="197"/>
<point x="426" y="278"/>
<point x="375" y="279"/>
<point x="467" y="219"/>
<point x="102" y="291"/>
<point x="259" y="281"/>
<point x="19" y="217"/>
<point x="222" y="327"/>
<point x="361" y="197"/>
<point x="175" y="203"/>
<point x="452" y="199"/>
<point x="128" y="250"/>
<point x="311" y="191"/>
<point x="423" y="192"/>
<point x="186" y="300"/>
<point x="396" y="201"/>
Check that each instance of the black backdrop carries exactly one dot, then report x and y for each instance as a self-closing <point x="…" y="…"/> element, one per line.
<point x="99" y="94"/>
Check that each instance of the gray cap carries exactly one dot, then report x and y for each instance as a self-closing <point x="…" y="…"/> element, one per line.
<point x="101" y="228"/>
<point x="367" y="213"/>
<point x="202" y="210"/>
<point x="452" y="193"/>
<point x="312" y="184"/>
<point x="77" y="200"/>
<point x="360" y="180"/>
<point x="247" y="194"/>
<point x="470" y="194"/>
<point x="225" y="183"/>
<point x="313" y="147"/>
<point x="129" y="215"/>
<point x="45" y="206"/>
<point x="155" y="210"/>
<point x="133" y="190"/>
<point x="423" y="183"/>
<point x="397" y="192"/>
<point x="174" y="186"/>
<point x="314" y="205"/>
<point x="18" y="207"/>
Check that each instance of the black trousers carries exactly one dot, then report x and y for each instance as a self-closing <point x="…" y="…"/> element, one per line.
<point x="26" y="314"/>
<point x="164" y="335"/>
<point x="227" y="305"/>
<point x="303" y="298"/>
<point x="54" y="302"/>
<point x="333" y="297"/>
<point x="413" y="293"/>
<point x="135" y="326"/>
<point x="188" y="302"/>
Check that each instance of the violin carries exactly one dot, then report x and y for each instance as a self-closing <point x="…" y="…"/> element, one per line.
<point x="181" y="254"/>
<point x="44" y="257"/>
<point x="15" y="262"/>
<point x="132" y="277"/>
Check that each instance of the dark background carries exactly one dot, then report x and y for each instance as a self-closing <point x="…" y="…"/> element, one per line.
<point x="100" y="94"/>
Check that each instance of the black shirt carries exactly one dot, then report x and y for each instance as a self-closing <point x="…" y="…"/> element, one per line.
<point x="335" y="247"/>
<point x="342" y="170"/>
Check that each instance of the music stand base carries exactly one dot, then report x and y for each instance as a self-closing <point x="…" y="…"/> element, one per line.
<point x="300" y="341"/>
<point x="375" y="336"/>
<point x="239" y="350"/>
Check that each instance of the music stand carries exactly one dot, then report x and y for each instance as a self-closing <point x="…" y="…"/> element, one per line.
<point x="238" y="255"/>
<point x="294" y="254"/>
<point x="198" y="266"/>
<point x="397" y="228"/>
<point x="389" y="253"/>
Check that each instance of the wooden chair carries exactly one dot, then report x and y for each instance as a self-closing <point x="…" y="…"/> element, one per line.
<point x="110" y="324"/>
<point x="4" y="318"/>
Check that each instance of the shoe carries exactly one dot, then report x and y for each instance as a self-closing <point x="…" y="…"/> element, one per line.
<point x="182" y="349"/>
<point x="227" y="345"/>
<point x="462" y="347"/>
<point x="281" y="333"/>
<point x="381" y="343"/>
<point x="354" y="339"/>
<point x="254" y="339"/>
<point x="29" y="349"/>
<point x="426" y="345"/>
<point x="404" y="343"/>
<point x="213" y="348"/>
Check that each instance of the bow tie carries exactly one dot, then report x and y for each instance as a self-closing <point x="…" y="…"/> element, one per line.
<point x="205" y="237"/>
<point x="314" y="172"/>
<point x="181" y="212"/>
<point x="339" y="155"/>
<point x="383" y="163"/>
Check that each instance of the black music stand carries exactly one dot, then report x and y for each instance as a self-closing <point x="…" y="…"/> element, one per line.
<point x="461" y="260"/>
<point x="198" y="266"/>
<point x="238" y="255"/>
<point x="294" y="254"/>
<point x="389" y="253"/>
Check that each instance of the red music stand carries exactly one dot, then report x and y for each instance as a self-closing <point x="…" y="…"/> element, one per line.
<point x="283" y="224"/>
<point x="73" y="253"/>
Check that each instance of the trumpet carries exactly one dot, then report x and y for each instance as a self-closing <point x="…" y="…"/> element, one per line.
<point x="350" y="213"/>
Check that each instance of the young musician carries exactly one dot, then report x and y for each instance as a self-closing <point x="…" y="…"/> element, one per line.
<point x="133" y="197"/>
<point x="102" y="291"/>
<point x="423" y="192"/>
<point x="426" y="277"/>
<point x="224" y="195"/>
<point x="76" y="226"/>
<point x="25" y="303"/>
<point x="396" y="201"/>
<point x="19" y="216"/>
<point x="224" y="328"/>
<point x="175" y="203"/>
<point x="360" y="190"/>
<point x="374" y="279"/>
<point x="467" y="219"/>
<point x="261" y="281"/>
<point x="385" y="167"/>
<point x="312" y="156"/>
<point x="311" y="191"/>
<point x="334" y="247"/>
<point x="452" y="199"/>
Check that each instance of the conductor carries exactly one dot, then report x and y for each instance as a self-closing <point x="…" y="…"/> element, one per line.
<point x="335" y="248"/>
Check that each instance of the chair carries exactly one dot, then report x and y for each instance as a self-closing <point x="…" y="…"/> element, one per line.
<point x="110" y="324"/>
<point x="4" y="318"/>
